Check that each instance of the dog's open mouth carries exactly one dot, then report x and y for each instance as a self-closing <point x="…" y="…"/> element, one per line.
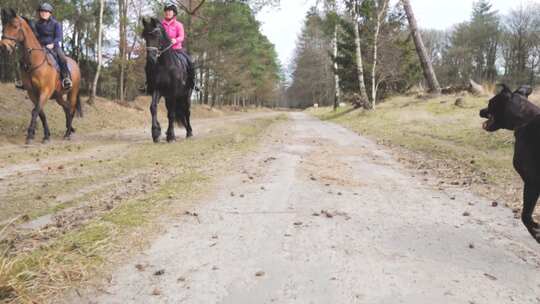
<point x="488" y="124"/>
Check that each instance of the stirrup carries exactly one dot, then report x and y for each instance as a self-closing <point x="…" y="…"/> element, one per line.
<point x="66" y="83"/>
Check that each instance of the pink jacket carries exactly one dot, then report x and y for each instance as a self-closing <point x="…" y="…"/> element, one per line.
<point x="175" y="30"/>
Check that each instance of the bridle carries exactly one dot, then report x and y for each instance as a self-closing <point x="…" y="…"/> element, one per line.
<point x="159" y="50"/>
<point x="28" y="50"/>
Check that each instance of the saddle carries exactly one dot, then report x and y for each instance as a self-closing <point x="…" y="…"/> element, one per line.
<point x="52" y="59"/>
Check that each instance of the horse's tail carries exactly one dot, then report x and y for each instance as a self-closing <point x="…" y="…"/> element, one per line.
<point x="79" y="106"/>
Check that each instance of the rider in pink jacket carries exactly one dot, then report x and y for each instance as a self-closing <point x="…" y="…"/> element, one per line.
<point x="175" y="31"/>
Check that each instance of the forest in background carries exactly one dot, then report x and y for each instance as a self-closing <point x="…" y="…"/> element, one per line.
<point x="236" y="64"/>
<point x="369" y="45"/>
<point x="356" y="51"/>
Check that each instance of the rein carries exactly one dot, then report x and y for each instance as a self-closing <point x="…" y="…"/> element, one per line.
<point x="28" y="53"/>
<point x="159" y="51"/>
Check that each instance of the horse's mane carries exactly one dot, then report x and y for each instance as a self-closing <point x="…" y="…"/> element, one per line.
<point x="31" y="24"/>
<point x="163" y="32"/>
<point x="159" y="26"/>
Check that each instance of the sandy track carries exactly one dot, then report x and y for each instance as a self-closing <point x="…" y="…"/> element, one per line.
<point x="322" y="215"/>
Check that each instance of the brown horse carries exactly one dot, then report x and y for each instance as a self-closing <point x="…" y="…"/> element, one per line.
<point x="39" y="76"/>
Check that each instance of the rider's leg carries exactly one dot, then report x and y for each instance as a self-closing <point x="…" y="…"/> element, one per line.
<point x="64" y="70"/>
<point x="191" y="68"/>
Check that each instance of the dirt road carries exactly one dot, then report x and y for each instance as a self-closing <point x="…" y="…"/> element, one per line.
<point x="321" y="215"/>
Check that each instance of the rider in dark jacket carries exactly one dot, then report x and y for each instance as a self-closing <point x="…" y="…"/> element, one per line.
<point x="49" y="32"/>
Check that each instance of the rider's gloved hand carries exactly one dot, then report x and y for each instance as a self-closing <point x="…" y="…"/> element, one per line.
<point x="50" y="46"/>
<point x="173" y="41"/>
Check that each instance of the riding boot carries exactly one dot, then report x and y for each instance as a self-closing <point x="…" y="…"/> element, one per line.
<point x="64" y="70"/>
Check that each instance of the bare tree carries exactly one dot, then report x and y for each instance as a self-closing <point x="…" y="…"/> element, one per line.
<point x="337" y="94"/>
<point x="123" y="12"/>
<point x="100" y="53"/>
<point x="358" y="47"/>
<point x="427" y="68"/>
<point x="331" y="9"/>
<point x="382" y="6"/>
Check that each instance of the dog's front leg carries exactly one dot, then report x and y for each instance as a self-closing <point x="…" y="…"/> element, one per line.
<point x="530" y="197"/>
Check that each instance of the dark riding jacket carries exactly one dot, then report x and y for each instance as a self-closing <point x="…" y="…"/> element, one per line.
<point x="49" y="32"/>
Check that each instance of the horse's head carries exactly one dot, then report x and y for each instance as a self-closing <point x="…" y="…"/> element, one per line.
<point x="155" y="37"/>
<point x="12" y="30"/>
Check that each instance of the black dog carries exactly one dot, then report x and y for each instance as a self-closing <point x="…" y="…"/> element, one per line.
<point x="512" y="111"/>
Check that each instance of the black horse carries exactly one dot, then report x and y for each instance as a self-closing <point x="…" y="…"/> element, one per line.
<point x="167" y="75"/>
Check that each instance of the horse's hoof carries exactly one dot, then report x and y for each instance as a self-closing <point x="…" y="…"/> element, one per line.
<point x="29" y="141"/>
<point x="189" y="135"/>
<point x="156" y="140"/>
<point x="171" y="139"/>
<point x="46" y="141"/>
<point x="67" y="137"/>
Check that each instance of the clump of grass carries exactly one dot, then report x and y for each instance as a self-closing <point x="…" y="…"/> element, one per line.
<point x="15" y="281"/>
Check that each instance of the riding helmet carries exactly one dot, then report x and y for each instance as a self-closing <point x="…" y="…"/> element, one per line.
<point x="171" y="7"/>
<point x="46" y="7"/>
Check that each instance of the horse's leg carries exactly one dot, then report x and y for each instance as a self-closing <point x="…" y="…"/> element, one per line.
<point x="68" y="111"/>
<point x="43" y="118"/>
<point x="170" y="103"/>
<point x="156" y="128"/>
<point x="187" y="114"/>
<point x="46" y="131"/>
<point x="38" y="106"/>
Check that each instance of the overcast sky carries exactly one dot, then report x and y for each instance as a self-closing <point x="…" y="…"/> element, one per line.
<point x="283" y="25"/>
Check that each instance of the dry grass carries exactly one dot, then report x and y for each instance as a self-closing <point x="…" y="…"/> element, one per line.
<point x="72" y="258"/>
<point x="435" y="135"/>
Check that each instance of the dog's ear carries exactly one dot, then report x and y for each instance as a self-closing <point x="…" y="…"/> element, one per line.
<point x="505" y="90"/>
<point x="144" y="21"/>
<point x="524" y="90"/>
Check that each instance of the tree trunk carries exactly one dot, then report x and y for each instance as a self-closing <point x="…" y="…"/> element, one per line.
<point x="359" y="62"/>
<point x="100" y="53"/>
<point x="337" y="91"/>
<point x="122" y="5"/>
<point x="429" y="73"/>
<point x="374" y="87"/>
